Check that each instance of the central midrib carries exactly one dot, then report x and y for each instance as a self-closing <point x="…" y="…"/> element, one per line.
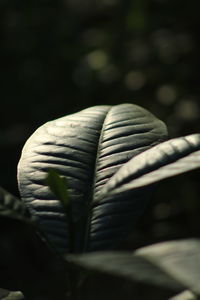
<point x="92" y="189"/>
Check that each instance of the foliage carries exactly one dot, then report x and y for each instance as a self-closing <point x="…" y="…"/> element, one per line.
<point x="54" y="241"/>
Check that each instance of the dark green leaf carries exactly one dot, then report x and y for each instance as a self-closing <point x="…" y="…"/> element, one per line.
<point x="87" y="148"/>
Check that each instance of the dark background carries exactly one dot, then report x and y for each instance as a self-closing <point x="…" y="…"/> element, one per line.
<point x="58" y="57"/>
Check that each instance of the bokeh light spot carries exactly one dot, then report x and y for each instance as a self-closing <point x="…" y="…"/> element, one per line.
<point x="166" y="94"/>
<point x="97" y="59"/>
<point x="188" y="110"/>
<point x="135" y="80"/>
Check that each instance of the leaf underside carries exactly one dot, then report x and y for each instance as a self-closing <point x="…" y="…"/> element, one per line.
<point x="87" y="148"/>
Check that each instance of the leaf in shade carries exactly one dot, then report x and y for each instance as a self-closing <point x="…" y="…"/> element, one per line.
<point x="87" y="148"/>
<point x="58" y="186"/>
<point x="7" y="295"/>
<point x="27" y="262"/>
<point x="13" y="208"/>
<point x="3" y="293"/>
<point x="126" y="266"/>
<point x="180" y="259"/>
<point x="174" y="265"/>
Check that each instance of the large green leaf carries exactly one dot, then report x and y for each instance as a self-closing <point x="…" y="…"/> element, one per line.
<point x="87" y="148"/>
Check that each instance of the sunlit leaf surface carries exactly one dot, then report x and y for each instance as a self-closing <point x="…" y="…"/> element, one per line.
<point x="87" y="148"/>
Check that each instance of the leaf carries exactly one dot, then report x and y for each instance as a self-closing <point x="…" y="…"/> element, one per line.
<point x="167" y="159"/>
<point x="186" y="295"/>
<point x="13" y="208"/>
<point x="87" y="148"/>
<point x="127" y="266"/>
<point x="174" y="265"/>
<point x="6" y="295"/>
<point x="58" y="186"/>
<point x="180" y="259"/>
<point x="3" y="293"/>
<point x="28" y="263"/>
<point x="134" y="180"/>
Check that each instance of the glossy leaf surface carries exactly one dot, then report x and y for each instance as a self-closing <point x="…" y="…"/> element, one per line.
<point x="87" y="148"/>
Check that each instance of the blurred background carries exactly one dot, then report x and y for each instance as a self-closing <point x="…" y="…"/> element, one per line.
<point x="58" y="57"/>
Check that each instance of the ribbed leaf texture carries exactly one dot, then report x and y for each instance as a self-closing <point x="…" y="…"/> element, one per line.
<point x="87" y="148"/>
<point x="167" y="159"/>
<point x="130" y="184"/>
